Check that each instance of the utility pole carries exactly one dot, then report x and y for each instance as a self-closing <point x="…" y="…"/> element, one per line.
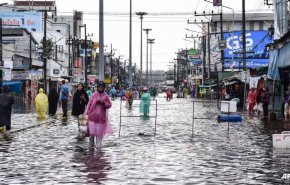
<point x="174" y="73"/>
<point x="69" y="57"/>
<point x="44" y="53"/>
<point x="130" y="48"/>
<point x="111" y="64"/>
<point x="208" y="47"/>
<point x="141" y="14"/>
<point x="204" y="58"/>
<point x="101" y="38"/>
<point x="151" y="41"/>
<point x="147" y="32"/>
<point x="30" y="50"/>
<point x="221" y="30"/>
<point x="244" y="50"/>
<point x="86" y="57"/>
<point x="55" y="53"/>
<point x="1" y="42"/>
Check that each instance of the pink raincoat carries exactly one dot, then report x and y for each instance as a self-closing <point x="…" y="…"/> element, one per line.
<point x="98" y="121"/>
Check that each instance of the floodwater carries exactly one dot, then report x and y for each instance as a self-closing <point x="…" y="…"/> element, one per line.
<point x="50" y="154"/>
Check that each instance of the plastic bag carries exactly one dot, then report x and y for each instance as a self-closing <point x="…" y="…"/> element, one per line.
<point x="255" y="107"/>
<point x="127" y="104"/>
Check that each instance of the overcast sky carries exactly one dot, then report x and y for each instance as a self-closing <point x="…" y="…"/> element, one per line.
<point x="167" y="30"/>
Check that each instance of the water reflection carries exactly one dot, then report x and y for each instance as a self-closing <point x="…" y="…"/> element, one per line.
<point x="96" y="164"/>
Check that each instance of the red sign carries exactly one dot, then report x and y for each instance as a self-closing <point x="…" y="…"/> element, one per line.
<point x="78" y="63"/>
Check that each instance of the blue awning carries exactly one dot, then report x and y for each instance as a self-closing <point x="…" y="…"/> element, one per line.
<point x="279" y="58"/>
<point x="15" y="86"/>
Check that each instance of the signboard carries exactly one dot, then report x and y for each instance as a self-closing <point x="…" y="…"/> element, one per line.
<point x="108" y="80"/>
<point x="78" y="72"/>
<point x="78" y="62"/>
<point x="20" y="75"/>
<point x="89" y="52"/>
<point x="28" y="20"/>
<point x="6" y="73"/>
<point x="195" y="61"/>
<point x="56" y="71"/>
<point x="192" y="51"/>
<point x="257" y="56"/>
<point x="36" y="74"/>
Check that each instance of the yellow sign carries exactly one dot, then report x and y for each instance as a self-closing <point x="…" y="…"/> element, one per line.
<point x="108" y="80"/>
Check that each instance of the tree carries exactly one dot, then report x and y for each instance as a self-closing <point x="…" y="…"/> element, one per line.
<point x="49" y="48"/>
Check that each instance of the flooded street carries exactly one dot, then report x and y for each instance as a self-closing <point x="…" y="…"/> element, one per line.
<point x="50" y="154"/>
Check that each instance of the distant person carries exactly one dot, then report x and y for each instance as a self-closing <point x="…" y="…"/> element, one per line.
<point x="193" y="92"/>
<point x="265" y="99"/>
<point x="251" y="100"/>
<point x="6" y="102"/>
<point x="129" y="96"/>
<point x="113" y="93"/>
<point x="41" y="104"/>
<point x="89" y="92"/>
<point x="53" y="98"/>
<point x="169" y="95"/>
<point x="97" y="114"/>
<point x="145" y="102"/>
<point x="64" y="96"/>
<point x="80" y="100"/>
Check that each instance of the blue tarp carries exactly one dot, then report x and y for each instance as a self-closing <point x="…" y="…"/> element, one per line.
<point x="15" y="86"/>
<point x="230" y="118"/>
<point x="279" y="58"/>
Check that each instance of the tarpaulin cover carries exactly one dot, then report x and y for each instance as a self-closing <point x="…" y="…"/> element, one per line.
<point x="15" y="86"/>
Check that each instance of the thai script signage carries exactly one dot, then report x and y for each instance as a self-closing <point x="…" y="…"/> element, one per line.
<point x="28" y="20"/>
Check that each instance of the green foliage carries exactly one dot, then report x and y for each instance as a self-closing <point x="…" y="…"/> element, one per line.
<point x="49" y="47"/>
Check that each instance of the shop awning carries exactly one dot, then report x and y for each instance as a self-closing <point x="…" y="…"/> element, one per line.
<point x="15" y="86"/>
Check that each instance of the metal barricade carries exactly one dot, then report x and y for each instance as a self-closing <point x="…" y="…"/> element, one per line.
<point x="155" y="116"/>
<point x="193" y="116"/>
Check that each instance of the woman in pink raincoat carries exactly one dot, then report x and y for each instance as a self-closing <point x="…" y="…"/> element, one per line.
<point x="97" y="114"/>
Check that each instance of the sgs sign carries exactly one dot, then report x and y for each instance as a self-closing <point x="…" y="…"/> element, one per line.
<point x="234" y="42"/>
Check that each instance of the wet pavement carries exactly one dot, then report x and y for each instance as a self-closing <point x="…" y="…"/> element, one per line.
<point x="50" y="153"/>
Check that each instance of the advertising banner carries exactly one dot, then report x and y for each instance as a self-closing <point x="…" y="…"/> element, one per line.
<point x="78" y="62"/>
<point x="256" y="54"/>
<point x="28" y="20"/>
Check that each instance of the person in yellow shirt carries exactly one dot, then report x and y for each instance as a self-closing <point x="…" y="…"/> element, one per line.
<point x="41" y="104"/>
<point x="129" y="96"/>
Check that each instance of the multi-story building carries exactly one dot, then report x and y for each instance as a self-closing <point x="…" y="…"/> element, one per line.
<point x="21" y="66"/>
<point x="62" y="33"/>
<point x="223" y="60"/>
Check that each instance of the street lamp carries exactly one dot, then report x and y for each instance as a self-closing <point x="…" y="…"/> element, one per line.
<point x="151" y="41"/>
<point x="147" y="32"/>
<point x="141" y="14"/>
